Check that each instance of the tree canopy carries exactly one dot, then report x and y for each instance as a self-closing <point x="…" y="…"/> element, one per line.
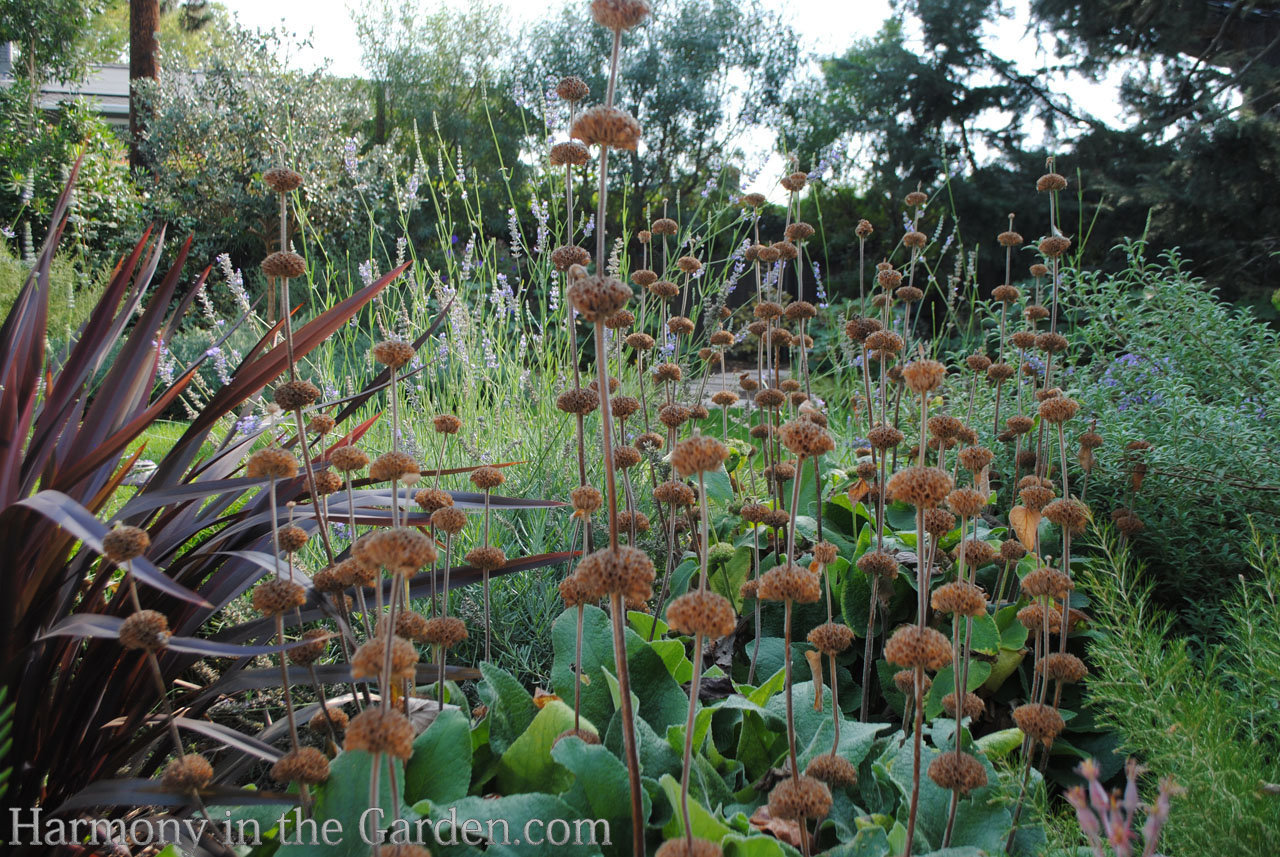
<point x="52" y="36"/>
<point x="1192" y="162"/>
<point x="696" y="75"/>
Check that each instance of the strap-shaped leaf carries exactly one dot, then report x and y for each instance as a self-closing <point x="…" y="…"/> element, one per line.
<point x="230" y="737"/>
<point x="78" y="521"/>
<point x="140" y="792"/>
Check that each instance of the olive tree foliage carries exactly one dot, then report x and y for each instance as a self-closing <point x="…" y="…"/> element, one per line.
<point x="696" y="75"/>
<point x="212" y="134"/>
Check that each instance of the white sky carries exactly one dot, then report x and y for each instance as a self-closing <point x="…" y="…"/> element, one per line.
<point x="829" y="26"/>
<point x="826" y="27"/>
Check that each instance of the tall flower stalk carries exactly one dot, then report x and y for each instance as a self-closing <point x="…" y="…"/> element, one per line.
<point x="919" y="647"/>
<point x="621" y="572"/>
<point x="702" y="614"/>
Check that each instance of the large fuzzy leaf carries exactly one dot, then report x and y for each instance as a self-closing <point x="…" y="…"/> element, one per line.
<point x="440" y="768"/>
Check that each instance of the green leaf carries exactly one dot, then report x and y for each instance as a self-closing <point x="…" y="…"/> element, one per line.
<point x="527" y="765"/>
<point x="885" y="671"/>
<point x="615" y="691"/>
<point x="511" y="707"/>
<point x="758" y="745"/>
<point x="601" y="788"/>
<point x="839" y="514"/>
<point x="774" y="684"/>
<point x="512" y="825"/>
<point x="440" y="768"/>
<point x="1006" y="664"/>
<point x="719" y="488"/>
<point x="701" y="726"/>
<point x="344" y="797"/>
<point x="703" y="823"/>
<point x="944" y="682"/>
<point x="673" y="655"/>
<point x="986" y="636"/>
<point x="597" y="653"/>
<point x="1014" y="636"/>
<point x="901" y="517"/>
<point x="807" y="720"/>
<point x="773" y="657"/>
<point x="807" y="526"/>
<point x="895" y="765"/>
<point x="856" y="739"/>
<point x="681" y="575"/>
<point x="266" y="816"/>
<point x="641" y="622"/>
<point x="855" y="600"/>
<point x="980" y="821"/>
<point x="868" y="842"/>
<point x="656" y="756"/>
<point x="728" y="580"/>
<point x="662" y="701"/>
<point x="737" y="845"/>
<point x="997" y="745"/>
<point x="982" y="824"/>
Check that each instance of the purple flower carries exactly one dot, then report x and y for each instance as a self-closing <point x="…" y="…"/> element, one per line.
<point x="248" y="424"/>
<point x="349" y="160"/>
<point x="821" y="289"/>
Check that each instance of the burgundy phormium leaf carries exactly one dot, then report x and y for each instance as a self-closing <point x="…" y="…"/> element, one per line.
<point x="144" y="792"/>
<point x="69" y="427"/>
<point x="77" y="520"/>
<point x="108" y="627"/>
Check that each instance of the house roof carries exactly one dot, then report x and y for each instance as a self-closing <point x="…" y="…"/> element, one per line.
<point x="107" y="86"/>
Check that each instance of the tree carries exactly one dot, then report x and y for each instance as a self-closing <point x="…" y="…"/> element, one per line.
<point x="144" y="21"/>
<point x="445" y="71"/>
<point x="696" y="74"/>
<point x="1188" y="57"/>
<point x="189" y="33"/>
<point x="1192" y="164"/>
<point x="51" y="36"/>
<point x="1203" y="88"/>
<point x="211" y="137"/>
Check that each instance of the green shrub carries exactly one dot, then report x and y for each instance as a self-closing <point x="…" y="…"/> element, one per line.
<point x="36" y="153"/>
<point x="1163" y="360"/>
<point x="76" y="292"/>
<point x="1210" y="719"/>
<point x="210" y="137"/>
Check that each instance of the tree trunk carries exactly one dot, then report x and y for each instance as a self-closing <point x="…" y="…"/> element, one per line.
<point x="144" y="21"/>
<point x="380" y="112"/>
